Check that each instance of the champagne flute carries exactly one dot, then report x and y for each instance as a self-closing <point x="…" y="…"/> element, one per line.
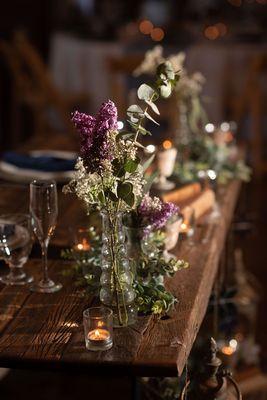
<point x="15" y="247"/>
<point x="44" y="211"/>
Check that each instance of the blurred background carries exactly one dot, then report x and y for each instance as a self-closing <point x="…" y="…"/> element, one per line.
<point x="60" y="55"/>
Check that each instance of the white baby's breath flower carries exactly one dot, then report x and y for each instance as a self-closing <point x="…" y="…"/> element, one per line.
<point x="152" y="59"/>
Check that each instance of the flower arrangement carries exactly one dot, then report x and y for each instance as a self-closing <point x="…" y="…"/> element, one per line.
<point x="151" y="297"/>
<point x="203" y="156"/>
<point x="187" y="92"/>
<point x="110" y="177"/>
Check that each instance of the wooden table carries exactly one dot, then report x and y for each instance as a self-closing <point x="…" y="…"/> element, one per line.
<point x="46" y="330"/>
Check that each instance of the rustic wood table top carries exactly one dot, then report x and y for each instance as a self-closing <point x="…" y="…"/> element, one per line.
<point x="46" y="329"/>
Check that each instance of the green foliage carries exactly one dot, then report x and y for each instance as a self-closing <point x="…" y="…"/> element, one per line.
<point x="203" y="154"/>
<point x="165" y="81"/>
<point x="151" y="295"/>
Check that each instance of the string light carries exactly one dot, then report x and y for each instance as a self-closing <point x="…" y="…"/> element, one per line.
<point x="146" y="27"/>
<point x="157" y="34"/>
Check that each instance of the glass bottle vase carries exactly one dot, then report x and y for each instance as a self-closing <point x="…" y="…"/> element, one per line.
<point x="116" y="280"/>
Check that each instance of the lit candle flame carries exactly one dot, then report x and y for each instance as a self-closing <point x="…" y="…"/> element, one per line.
<point x="167" y="144"/>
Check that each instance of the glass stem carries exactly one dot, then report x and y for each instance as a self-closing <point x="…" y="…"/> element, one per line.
<point x="44" y="261"/>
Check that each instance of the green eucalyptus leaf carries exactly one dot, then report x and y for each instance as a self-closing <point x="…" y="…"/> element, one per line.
<point x="165" y="90"/>
<point x="124" y="190"/>
<point x="153" y="106"/>
<point x="112" y="196"/>
<point x="124" y="135"/>
<point x="145" y="92"/>
<point x="130" y="200"/>
<point x="166" y="69"/>
<point x="151" y="118"/>
<point x="131" y="165"/>
<point x="144" y="131"/>
<point x="135" y="110"/>
<point x="101" y="197"/>
<point x="118" y="168"/>
<point x="148" y="162"/>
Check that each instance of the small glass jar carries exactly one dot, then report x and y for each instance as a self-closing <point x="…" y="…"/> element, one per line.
<point x="98" y="328"/>
<point x="187" y="228"/>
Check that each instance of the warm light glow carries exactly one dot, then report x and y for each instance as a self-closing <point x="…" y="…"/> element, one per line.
<point x="146" y="27"/>
<point x="167" y="144"/>
<point x="98" y="335"/>
<point x="222" y="28"/>
<point x="209" y="128"/>
<point x="157" y="34"/>
<point x="84" y="246"/>
<point x="211" y="32"/>
<point x="100" y="324"/>
<point x="227" y="350"/>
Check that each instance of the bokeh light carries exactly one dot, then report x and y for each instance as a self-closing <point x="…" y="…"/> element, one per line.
<point x="222" y="28"/>
<point x="211" y="32"/>
<point x="146" y="27"/>
<point x="167" y="144"/>
<point x="157" y="34"/>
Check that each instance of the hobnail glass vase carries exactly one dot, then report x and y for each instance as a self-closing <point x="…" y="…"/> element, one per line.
<point x="116" y="280"/>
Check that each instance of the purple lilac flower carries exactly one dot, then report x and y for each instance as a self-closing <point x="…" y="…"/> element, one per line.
<point x="155" y="213"/>
<point x="95" y="145"/>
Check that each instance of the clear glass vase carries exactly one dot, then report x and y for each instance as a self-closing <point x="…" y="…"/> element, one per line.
<point x="116" y="280"/>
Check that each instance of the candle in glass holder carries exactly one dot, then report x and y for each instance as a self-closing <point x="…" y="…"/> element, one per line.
<point x="187" y="225"/>
<point x="83" y="246"/>
<point x="82" y="242"/>
<point x="165" y="163"/>
<point x="98" y="328"/>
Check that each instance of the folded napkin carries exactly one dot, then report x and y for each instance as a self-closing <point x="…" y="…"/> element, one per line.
<point x="39" y="163"/>
<point x="201" y="204"/>
<point x="183" y="194"/>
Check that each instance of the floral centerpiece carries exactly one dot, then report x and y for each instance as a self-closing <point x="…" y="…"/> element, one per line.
<point x="111" y="178"/>
<point x="204" y="157"/>
<point x="187" y="92"/>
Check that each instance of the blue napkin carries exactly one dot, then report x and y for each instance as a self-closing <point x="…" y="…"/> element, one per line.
<point x="39" y="163"/>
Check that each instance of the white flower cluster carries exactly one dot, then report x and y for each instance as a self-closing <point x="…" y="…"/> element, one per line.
<point x="188" y="85"/>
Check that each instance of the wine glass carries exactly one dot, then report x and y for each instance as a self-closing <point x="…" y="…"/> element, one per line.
<point x="15" y="247"/>
<point x="44" y="211"/>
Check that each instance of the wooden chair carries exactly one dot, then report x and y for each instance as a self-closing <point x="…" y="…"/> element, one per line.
<point x="63" y="103"/>
<point x="33" y="87"/>
<point x="23" y="93"/>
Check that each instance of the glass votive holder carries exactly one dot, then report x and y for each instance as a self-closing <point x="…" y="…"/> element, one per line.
<point x="187" y="227"/>
<point x="98" y="328"/>
<point x="82" y="240"/>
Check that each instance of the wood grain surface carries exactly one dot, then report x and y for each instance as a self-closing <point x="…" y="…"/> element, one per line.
<point x="46" y="330"/>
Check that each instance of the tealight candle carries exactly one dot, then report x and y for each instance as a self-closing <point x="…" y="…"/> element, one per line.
<point x="84" y="246"/>
<point x="98" y="328"/>
<point x="165" y="163"/>
<point x="187" y="225"/>
<point x="81" y="240"/>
